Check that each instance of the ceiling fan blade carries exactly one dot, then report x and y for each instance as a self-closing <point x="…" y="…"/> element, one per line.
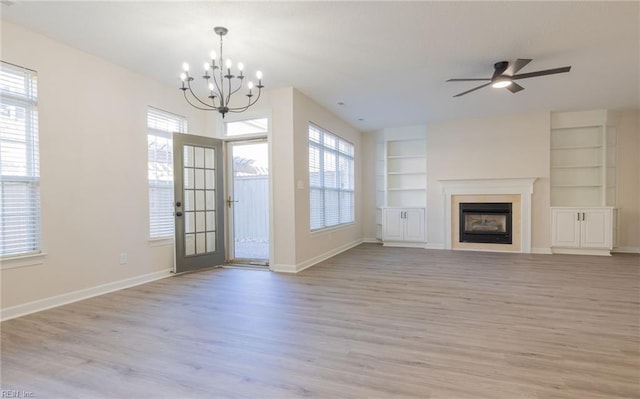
<point x="467" y="80"/>
<point x="514" y="87"/>
<point x="541" y="73"/>
<point x="516" y="66"/>
<point x="474" y="89"/>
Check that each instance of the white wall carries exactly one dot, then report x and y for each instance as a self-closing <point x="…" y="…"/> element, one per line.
<point x="312" y="247"/>
<point x="93" y="163"/>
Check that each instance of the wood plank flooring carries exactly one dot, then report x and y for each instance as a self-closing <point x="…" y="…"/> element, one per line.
<point x="371" y="322"/>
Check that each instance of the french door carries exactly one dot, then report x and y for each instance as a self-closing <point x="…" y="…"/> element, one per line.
<point x="199" y="202"/>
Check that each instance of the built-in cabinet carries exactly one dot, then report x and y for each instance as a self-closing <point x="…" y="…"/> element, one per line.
<point x="583" y="182"/>
<point x="401" y="186"/>
<point x="582" y="230"/>
<point x="403" y="226"/>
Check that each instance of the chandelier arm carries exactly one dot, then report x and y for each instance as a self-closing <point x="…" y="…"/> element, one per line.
<point x="241" y="109"/>
<point x="195" y="106"/>
<point x="220" y="93"/>
<point x="196" y="97"/>
<point x="236" y="90"/>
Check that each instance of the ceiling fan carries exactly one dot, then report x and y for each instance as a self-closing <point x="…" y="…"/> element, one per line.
<point x="505" y="74"/>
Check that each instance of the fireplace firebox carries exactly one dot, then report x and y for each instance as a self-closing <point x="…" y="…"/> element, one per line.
<point x="485" y="222"/>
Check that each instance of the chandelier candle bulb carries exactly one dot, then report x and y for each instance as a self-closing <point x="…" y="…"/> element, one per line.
<point x="221" y="86"/>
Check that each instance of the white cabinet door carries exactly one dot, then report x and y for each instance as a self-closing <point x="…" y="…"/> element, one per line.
<point x="565" y="227"/>
<point x="595" y="228"/>
<point x="414" y="225"/>
<point x="392" y="224"/>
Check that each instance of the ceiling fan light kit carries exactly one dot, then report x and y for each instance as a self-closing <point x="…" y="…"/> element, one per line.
<point x="504" y="75"/>
<point x="215" y="80"/>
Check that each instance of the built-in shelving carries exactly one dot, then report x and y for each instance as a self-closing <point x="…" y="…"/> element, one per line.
<point x="406" y="172"/>
<point x="582" y="169"/>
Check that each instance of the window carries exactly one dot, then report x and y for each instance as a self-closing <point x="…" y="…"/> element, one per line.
<point x="331" y="181"/>
<point x="19" y="162"/>
<point x="160" y="126"/>
<point x="252" y="126"/>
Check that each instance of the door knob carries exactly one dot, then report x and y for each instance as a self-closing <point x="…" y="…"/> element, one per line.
<point x="178" y="204"/>
<point x="178" y="213"/>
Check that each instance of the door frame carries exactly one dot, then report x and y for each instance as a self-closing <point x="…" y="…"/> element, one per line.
<point x="228" y="192"/>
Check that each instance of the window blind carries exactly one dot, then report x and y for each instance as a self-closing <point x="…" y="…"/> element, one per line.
<point x="19" y="162"/>
<point x="160" y="126"/>
<point x="331" y="179"/>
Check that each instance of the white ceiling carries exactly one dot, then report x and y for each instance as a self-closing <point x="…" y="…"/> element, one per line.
<point x="387" y="61"/>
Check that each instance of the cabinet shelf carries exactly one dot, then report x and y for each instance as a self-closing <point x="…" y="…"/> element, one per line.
<point x="577" y="166"/>
<point x="576" y="185"/>
<point x="404" y="156"/>
<point x="575" y="147"/>
<point x="406" y="173"/>
<point x="406" y="189"/>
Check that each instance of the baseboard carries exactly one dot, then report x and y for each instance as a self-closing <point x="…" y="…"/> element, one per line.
<point x="371" y="240"/>
<point x="74" y="296"/>
<point x="581" y="251"/>
<point x="626" y="250"/>
<point x="282" y="268"/>
<point x="402" y="244"/>
<point x="543" y="251"/>
<point x="434" y="246"/>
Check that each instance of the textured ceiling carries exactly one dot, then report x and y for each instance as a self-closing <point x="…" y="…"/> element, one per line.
<point x="387" y="61"/>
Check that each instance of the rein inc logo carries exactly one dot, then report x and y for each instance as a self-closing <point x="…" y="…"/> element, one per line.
<point x="16" y="393"/>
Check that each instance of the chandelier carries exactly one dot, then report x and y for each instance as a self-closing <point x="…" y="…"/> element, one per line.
<point x="221" y="86"/>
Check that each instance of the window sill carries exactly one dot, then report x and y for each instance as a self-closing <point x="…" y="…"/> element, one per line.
<point x="160" y="242"/>
<point x="332" y="229"/>
<point x="12" y="262"/>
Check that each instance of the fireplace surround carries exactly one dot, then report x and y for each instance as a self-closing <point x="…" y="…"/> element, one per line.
<point x="516" y="190"/>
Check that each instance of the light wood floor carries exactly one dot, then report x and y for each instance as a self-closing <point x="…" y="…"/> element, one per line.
<point x="371" y="322"/>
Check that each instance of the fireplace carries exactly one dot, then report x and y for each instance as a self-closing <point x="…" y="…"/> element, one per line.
<point x="486" y="222"/>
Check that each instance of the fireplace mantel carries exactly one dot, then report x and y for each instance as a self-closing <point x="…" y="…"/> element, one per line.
<point x="507" y="186"/>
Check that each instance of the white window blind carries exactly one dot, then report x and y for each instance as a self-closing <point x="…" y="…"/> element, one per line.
<point x="160" y="126"/>
<point x="331" y="179"/>
<point x="19" y="162"/>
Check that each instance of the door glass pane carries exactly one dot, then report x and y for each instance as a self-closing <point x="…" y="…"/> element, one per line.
<point x="211" y="242"/>
<point x="189" y="244"/>
<point x="189" y="222"/>
<point x="199" y="179"/>
<point x="200" y="243"/>
<point x="210" y="181"/>
<point x="199" y="200"/>
<point x="210" y="200"/>
<point x="208" y="158"/>
<point x="199" y="221"/>
<point x="199" y="157"/>
<point x="188" y="178"/>
<point x="251" y="191"/>
<point x="189" y="200"/>
<point x="188" y="156"/>
<point x="210" y="224"/>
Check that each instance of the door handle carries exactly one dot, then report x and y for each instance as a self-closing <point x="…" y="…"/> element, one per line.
<point x="578" y="216"/>
<point x="230" y="201"/>
<point x="583" y="216"/>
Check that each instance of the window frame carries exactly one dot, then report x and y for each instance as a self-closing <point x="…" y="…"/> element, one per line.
<point x="24" y="96"/>
<point x="342" y="150"/>
<point x="159" y="236"/>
